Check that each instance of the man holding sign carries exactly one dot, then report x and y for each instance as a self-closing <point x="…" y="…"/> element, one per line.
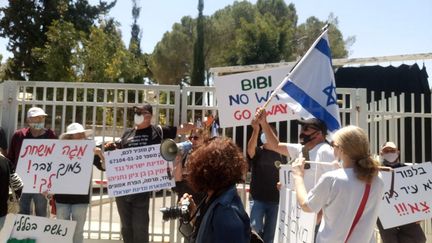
<point x="411" y="232"/>
<point x="36" y="130"/>
<point x="133" y="209"/>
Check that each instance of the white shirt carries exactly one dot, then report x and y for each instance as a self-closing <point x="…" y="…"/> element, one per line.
<point x="322" y="152"/>
<point x="339" y="194"/>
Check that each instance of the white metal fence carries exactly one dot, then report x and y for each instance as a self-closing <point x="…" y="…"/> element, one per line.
<point x="107" y="109"/>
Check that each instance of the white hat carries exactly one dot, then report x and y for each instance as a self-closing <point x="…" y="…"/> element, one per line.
<point x="36" y="111"/>
<point x="75" y="128"/>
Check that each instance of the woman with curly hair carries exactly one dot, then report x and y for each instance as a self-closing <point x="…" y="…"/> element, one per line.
<point x="215" y="168"/>
<point x="349" y="196"/>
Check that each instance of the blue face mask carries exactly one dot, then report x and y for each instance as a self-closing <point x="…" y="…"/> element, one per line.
<point x="37" y="126"/>
<point x="263" y="138"/>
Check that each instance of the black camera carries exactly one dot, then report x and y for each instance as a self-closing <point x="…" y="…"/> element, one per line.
<point x="177" y="212"/>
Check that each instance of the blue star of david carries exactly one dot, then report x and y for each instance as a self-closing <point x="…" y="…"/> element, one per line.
<point x="329" y="91"/>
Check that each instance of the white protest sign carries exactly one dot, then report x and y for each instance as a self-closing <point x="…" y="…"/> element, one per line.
<point x="310" y="176"/>
<point x="41" y="229"/>
<point x="239" y="96"/>
<point x="412" y="198"/>
<point x="56" y="166"/>
<point x="136" y="170"/>
<point x="293" y="225"/>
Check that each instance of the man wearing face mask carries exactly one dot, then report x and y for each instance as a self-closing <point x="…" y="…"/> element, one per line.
<point x="264" y="164"/>
<point x="405" y="233"/>
<point x="133" y="209"/>
<point x="313" y="147"/>
<point x="35" y="130"/>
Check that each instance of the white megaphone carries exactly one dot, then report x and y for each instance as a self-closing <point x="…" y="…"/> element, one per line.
<point x="169" y="148"/>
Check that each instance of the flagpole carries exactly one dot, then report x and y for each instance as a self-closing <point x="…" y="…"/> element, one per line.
<point x="273" y="94"/>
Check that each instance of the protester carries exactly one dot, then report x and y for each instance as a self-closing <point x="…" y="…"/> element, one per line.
<point x="197" y="138"/>
<point x="215" y="168"/>
<point x="4" y="188"/>
<point x="353" y="191"/>
<point x="313" y="146"/>
<point x="74" y="207"/>
<point x="412" y="232"/>
<point x="134" y="209"/>
<point x="35" y="130"/>
<point x="264" y="164"/>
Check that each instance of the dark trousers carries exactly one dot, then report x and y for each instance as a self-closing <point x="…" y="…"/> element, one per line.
<point x="409" y="233"/>
<point x="134" y="217"/>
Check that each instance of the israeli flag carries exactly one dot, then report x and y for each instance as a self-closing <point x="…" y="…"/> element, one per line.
<point x="310" y="88"/>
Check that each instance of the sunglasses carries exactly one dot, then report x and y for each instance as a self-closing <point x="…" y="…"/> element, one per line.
<point x="309" y="127"/>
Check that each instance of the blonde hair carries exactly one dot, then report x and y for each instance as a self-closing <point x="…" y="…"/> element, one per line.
<point x="354" y="143"/>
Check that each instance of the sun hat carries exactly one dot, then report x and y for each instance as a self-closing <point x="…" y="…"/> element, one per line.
<point x="75" y="128"/>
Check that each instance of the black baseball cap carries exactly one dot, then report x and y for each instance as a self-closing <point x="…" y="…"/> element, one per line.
<point x="145" y="107"/>
<point x="315" y="123"/>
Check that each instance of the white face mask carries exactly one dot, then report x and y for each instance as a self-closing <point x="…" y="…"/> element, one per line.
<point x="263" y="138"/>
<point x="138" y="119"/>
<point x="390" y="157"/>
<point x="37" y="125"/>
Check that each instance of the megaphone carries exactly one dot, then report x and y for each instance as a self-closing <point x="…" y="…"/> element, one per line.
<point x="169" y="148"/>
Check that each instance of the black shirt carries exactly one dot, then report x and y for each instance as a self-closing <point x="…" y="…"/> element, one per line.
<point x="143" y="137"/>
<point x="4" y="184"/>
<point x="265" y="175"/>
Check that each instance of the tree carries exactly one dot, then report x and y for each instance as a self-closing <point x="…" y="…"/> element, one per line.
<point x="170" y="61"/>
<point x="104" y="54"/>
<point x="60" y="53"/>
<point x="198" y="77"/>
<point x="26" y="22"/>
<point x="311" y="29"/>
<point x="134" y="43"/>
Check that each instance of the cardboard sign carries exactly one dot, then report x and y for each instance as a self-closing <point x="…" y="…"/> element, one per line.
<point x="136" y="170"/>
<point x="293" y="225"/>
<point x="412" y="198"/>
<point x="41" y="229"/>
<point x="56" y="166"/>
<point x="240" y="95"/>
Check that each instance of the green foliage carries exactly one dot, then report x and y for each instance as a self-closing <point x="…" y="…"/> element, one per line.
<point x="104" y="55"/>
<point x="170" y="62"/>
<point x="242" y="34"/>
<point x="135" y="41"/>
<point x="59" y="54"/>
<point x="26" y="23"/>
<point x="60" y="40"/>
<point x="197" y="77"/>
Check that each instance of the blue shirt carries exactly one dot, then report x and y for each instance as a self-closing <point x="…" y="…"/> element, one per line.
<point x="225" y="221"/>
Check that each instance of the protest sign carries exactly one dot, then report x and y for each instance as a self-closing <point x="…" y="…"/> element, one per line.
<point x="56" y="166"/>
<point x="136" y="170"/>
<point x="239" y="96"/>
<point x="412" y="197"/>
<point x="293" y="225"/>
<point x="41" y="229"/>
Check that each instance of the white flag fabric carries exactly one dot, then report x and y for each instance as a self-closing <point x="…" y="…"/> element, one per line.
<point x="310" y="87"/>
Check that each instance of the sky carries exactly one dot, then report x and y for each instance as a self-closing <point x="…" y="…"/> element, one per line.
<point x="381" y="27"/>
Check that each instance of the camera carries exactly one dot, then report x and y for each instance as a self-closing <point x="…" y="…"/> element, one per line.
<point x="177" y="212"/>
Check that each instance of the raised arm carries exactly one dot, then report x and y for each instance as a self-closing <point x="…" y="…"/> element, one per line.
<point x="252" y="143"/>
<point x="272" y="140"/>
